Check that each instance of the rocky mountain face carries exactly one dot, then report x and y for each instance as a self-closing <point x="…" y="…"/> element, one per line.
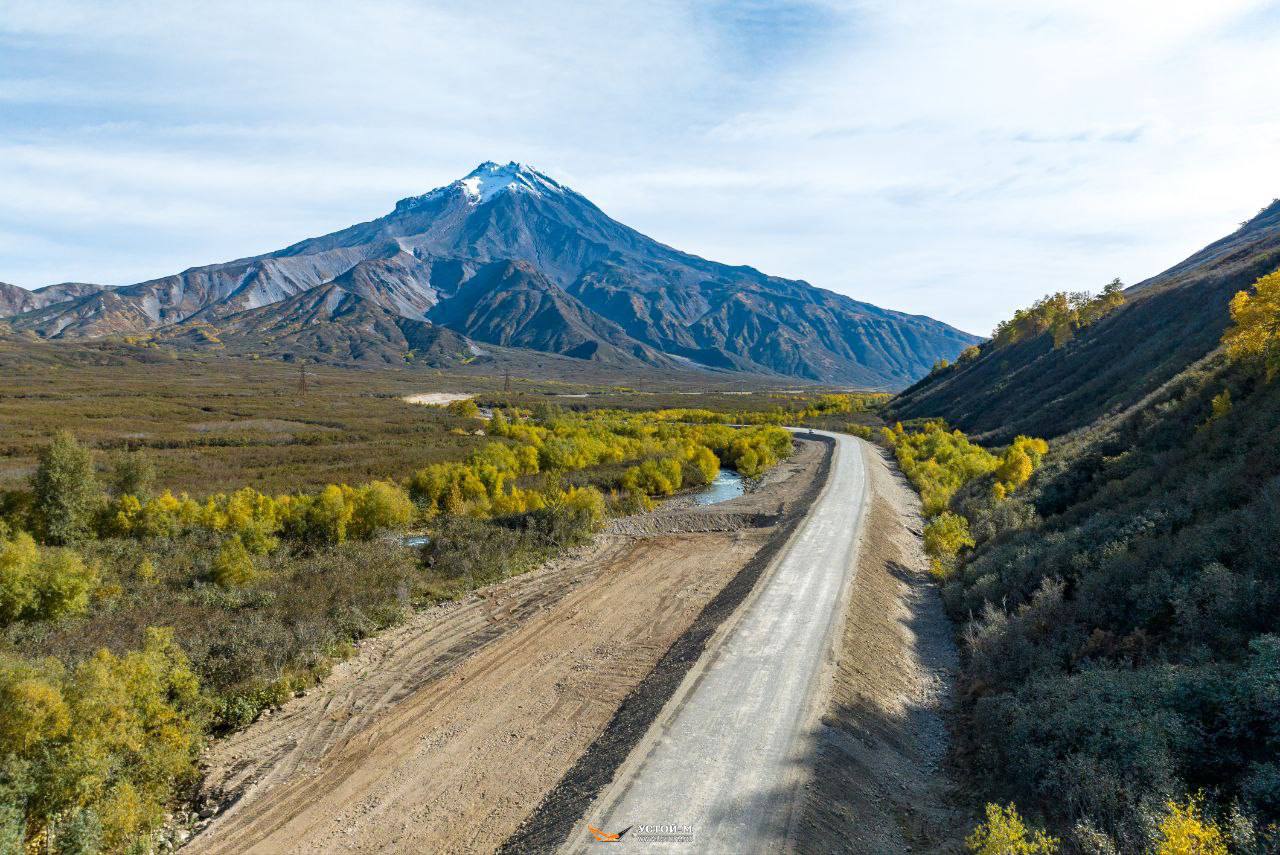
<point x="508" y="256"/>
<point x="1169" y="322"/>
<point x="16" y="301"/>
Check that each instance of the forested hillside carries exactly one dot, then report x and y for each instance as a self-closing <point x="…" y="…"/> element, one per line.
<point x="1039" y="383"/>
<point x="1121" y="610"/>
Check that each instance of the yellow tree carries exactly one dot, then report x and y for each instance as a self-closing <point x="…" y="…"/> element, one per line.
<point x="1254" y="334"/>
<point x="1185" y="831"/>
<point x="1005" y="833"/>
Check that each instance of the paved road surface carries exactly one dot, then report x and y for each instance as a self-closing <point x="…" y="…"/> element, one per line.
<point x="725" y="758"/>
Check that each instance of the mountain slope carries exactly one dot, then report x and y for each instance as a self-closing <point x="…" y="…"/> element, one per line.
<point x="1169" y="322"/>
<point x="329" y="324"/>
<point x="16" y="301"/>
<point x="509" y="303"/>
<point x="625" y="292"/>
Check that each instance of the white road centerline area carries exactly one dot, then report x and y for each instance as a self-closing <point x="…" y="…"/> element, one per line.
<point x="721" y="767"/>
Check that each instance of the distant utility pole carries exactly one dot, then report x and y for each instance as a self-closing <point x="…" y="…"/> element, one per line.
<point x="302" y="377"/>
<point x="506" y="383"/>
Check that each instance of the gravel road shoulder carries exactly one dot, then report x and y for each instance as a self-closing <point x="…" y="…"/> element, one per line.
<point x="878" y="783"/>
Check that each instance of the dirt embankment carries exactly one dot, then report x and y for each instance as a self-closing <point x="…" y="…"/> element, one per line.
<point x="878" y="782"/>
<point x="444" y="734"/>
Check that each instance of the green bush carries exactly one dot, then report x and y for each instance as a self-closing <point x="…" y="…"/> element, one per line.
<point x="65" y="491"/>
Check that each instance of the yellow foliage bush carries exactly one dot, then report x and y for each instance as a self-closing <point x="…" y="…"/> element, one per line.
<point x="41" y="582"/>
<point x="233" y="565"/>
<point x="944" y="536"/>
<point x="938" y="462"/>
<point x="465" y="408"/>
<point x="1254" y="334"/>
<point x="1185" y="831"/>
<point x="1017" y="464"/>
<point x="379" y="506"/>
<point x="1005" y="833"/>
<point x="1063" y="314"/>
<point x="1221" y="405"/>
<point x="111" y="738"/>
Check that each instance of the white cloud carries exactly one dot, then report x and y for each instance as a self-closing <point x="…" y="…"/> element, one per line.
<point x="948" y="158"/>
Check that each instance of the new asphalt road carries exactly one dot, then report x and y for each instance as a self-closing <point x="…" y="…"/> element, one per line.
<point x="722" y="766"/>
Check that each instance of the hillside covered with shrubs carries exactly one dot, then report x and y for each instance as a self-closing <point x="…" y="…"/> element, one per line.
<point x="1120" y="609"/>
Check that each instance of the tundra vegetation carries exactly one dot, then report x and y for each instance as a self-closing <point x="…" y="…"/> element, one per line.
<point x="1120" y="611"/>
<point x="137" y="621"/>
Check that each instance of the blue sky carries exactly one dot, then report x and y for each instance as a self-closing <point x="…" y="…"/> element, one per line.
<point x="956" y="159"/>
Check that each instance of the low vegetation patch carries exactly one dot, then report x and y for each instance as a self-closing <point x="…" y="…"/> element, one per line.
<point x="940" y="462"/>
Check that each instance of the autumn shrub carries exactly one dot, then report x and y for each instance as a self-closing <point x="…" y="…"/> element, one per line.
<point x="321" y="518"/>
<point x="1062" y="314"/>
<point x="233" y="565"/>
<point x="103" y="744"/>
<point x="1254" y="334"/>
<point x="944" y="537"/>
<point x="1019" y="460"/>
<point x="465" y="408"/>
<point x="1184" y="830"/>
<point x="1005" y="833"/>
<point x="379" y="506"/>
<point x="41" y="583"/>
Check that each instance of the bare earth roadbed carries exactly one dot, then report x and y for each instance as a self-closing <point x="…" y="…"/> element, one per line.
<point x="443" y="735"/>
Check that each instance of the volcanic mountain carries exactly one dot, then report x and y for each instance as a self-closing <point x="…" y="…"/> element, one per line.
<point x="509" y="257"/>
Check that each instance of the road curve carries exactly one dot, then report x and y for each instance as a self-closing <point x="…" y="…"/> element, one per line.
<point x="721" y="767"/>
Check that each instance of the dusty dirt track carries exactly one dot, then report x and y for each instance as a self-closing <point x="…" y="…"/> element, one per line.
<point x="443" y="735"/>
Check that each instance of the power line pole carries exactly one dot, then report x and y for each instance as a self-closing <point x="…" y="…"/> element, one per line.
<point x="302" y="377"/>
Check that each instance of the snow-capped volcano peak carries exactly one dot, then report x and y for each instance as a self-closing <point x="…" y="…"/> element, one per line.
<point x="488" y="180"/>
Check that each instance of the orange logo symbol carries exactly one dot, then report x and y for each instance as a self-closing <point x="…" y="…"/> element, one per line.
<point x="606" y="837"/>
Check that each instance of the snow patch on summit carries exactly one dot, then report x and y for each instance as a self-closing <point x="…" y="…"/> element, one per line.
<point x="489" y="179"/>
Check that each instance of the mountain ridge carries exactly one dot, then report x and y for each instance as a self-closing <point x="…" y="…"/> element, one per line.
<point x="1168" y="322"/>
<point x="619" y="295"/>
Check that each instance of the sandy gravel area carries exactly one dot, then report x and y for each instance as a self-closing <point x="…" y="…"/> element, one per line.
<point x="437" y="399"/>
<point x="878" y="780"/>
<point x="374" y="763"/>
